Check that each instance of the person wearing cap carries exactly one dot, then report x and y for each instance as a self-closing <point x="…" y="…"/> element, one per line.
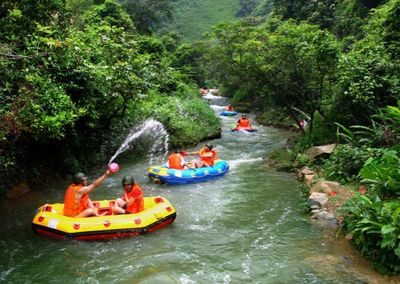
<point x="77" y="202"/>
<point x="243" y="121"/>
<point x="132" y="201"/>
<point x="207" y="155"/>
<point x="176" y="161"/>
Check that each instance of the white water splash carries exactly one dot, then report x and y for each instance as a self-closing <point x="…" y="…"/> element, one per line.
<point x="150" y="126"/>
<point x="235" y="163"/>
<point x="211" y="96"/>
<point x="217" y="107"/>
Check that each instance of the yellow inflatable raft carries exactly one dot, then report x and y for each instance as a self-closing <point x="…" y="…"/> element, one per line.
<point x="157" y="213"/>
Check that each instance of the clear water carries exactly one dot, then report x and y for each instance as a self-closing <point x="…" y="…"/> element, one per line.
<point x="245" y="227"/>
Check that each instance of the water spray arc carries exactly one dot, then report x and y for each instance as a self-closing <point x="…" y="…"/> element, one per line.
<point x="148" y="127"/>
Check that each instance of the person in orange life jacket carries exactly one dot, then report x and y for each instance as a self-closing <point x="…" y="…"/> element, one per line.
<point x="176" y="161"/>
<point x="207" y="155"/>
<point x="132" y="200"/>
<point x="243" y="121"/>
<point x="77" y="202"/>
<point x="229" y="108"/>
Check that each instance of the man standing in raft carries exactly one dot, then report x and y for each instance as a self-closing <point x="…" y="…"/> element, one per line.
<point x="132" y="201"/>
<point x="207" y="155"/>
<point x="77" y="202"/>
<point x="243" y="121"/>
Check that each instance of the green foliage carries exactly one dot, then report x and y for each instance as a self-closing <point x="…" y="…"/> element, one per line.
<point x="391" y="115"/>
<point x="48" y="110"/>
<point x="367" y="81"/>
<point x="301" y="160"/>
<point x="149" y="15"/>
<point x="385" y="25"/>
<point x="383" y="172"/>
<point x="289" y="68"/>
<point x="110" y="13"/>
<point x="374" y="136"/>
<point x="63" y="87"/>
<point x="187" y="120"/>
<point x="189" y="60"/>
<point x="374" y="225"/>
<point x="346" y="162"/>
<point x="304" y="191"/>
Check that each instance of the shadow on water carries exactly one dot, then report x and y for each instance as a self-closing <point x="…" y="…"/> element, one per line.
<point x="243" y="227"/>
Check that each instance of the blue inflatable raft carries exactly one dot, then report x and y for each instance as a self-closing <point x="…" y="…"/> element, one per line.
<point x="162" y="174"/>
<point x="228" y="113"/>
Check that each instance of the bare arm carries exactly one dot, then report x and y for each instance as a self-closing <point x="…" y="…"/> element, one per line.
<point x="93" y="186"/>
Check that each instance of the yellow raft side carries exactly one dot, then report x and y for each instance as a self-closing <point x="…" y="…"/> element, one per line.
<point x="157" y="211"/>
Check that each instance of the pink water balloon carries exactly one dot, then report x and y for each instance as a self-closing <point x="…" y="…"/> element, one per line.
<point x="113" y="167"/>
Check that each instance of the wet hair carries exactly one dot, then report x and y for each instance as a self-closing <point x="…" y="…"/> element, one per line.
<point x="209" y="146"/>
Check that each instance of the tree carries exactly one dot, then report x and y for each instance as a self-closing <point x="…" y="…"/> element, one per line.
<point x="147" y="15"/>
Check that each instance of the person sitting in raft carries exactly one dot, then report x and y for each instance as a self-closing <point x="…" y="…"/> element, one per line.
<point x="243" y="121"/>
<point x="132" y="201"/>
<point x="229" y="108"/>
<point x="77" y="202"/>
<point x="207" y="155"/>
<point x="176" y="161"/>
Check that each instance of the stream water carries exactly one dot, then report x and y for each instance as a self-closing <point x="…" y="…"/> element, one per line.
<point x="246" y="227"/>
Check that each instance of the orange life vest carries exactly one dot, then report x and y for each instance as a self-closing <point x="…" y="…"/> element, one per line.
<point x="208" y="156"/>
<point x="137" y="205"/>
<point x="174" y="161"/>
<point x="244" y="122"/>
<point x="229" y="108"/>
<point x="71" y="206"/>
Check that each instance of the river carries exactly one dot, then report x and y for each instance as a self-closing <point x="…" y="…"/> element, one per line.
<point x="246" y="227"/>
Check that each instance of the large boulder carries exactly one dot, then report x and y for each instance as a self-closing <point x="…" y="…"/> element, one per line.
<point x="325" y="186"/>
<point x="317" y="151"/>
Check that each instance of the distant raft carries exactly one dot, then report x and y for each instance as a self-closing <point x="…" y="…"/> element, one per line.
<point x="228" y="113"/>
<point x="157" y="213"/>
<point x="247" y="128"/>
<point x="162" y="174"/>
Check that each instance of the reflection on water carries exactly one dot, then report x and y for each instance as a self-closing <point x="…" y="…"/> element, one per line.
<point x="243" y="227"/>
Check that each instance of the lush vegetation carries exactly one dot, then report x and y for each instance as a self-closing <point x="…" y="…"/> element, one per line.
<point x="72" y="71"/>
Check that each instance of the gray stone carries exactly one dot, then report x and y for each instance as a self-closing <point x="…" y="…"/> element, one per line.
<point x="317" y="197"/>
<point x="320" y="150"/>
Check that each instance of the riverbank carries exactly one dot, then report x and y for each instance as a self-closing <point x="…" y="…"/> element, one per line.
<point x="351" y="209"/>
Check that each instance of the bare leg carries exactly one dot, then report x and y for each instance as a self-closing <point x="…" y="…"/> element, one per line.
<point x="88" y="212"/>
<point x="117" y="208"/>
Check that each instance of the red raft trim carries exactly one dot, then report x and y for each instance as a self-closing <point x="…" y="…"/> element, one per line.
<point x="104" y="235"/>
